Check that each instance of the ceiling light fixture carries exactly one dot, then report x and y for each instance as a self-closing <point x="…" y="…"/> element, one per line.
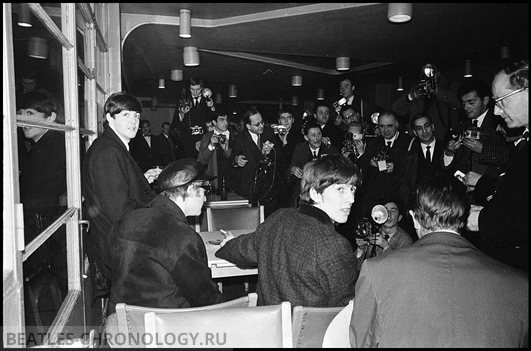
<point x="38" y="48"/>
<point x="24" y="15"/>
<point x="343" y="63"/>
<point x="294" y="100"/>
<point x="185" y="24"/>
<point x="190" y="56"/>
<point x="219" y="99"/>
<point x="400" y="84"/>
<point x="232" y="91"/>
<point x="320" y="94"/>
<point x="468" y="69"/>
<point x="176" y="75"/>
<point x="399" y="12"/>
<point x="504" y="52"/>
<point x="296" y="81"/>
<point x="162" y="83"/>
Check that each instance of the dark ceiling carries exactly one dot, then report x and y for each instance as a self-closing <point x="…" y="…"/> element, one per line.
<point x="281" y="39"/>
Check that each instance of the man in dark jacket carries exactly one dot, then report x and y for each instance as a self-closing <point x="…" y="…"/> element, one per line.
<point x="158" y="260"/>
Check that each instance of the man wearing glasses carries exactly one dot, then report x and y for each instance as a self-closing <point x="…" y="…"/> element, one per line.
<point x="503" y="223"/>
<point x="254" y="155"/>
<point x="157" y="259"/>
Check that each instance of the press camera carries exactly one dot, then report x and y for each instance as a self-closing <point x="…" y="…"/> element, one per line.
<point x="195" y="130"/>
<point x="279" y="129"/>
<point x="222" y="138"/>
<point x="427" y="79"/>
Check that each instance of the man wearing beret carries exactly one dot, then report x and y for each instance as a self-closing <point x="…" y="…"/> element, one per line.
<point x="157" y="259"/>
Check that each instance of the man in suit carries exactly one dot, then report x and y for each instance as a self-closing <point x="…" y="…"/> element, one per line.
<point x="299" y="255"/>
<point x="168" y="149"/>
<point x="111" y="180"/>
<point x="487" y="154"/>
<point x="305" y="152"/>
<point x="189" y="120"/>
<point x="255" y="154"/>
<point x="441" y="291"/>
<point x="503" y="222"/>
<point x="332" y="134"/>
<point x="145" y="148"/>
<point x="346" y="90"/>
<point x="216" y="149"/>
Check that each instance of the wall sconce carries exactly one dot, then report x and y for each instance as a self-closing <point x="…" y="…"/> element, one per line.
<point x="219" y="99"/>
<point x="162" y="83"/>
<point x="294" y="101"/>
<point x="232" y="91"/>
<point x="400" y="84"/>
<point x="468" y="69"/>
<point x="154" y="103"/>
<point x="38" y="48"/>
<point x="185" y="24"/>
<point x="24" y="15"/>
<point x="504" y="52"/>
<point x="176" y="75"/>
<point x="320" y="94"/>
<point x="190" y="56"/>
<point x="296" y="81"/>
<point x="399" y="12"/>
<point x="343" y="63"/>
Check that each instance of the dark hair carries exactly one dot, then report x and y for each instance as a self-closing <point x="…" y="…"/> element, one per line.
<point x="142" y="121"/>
<point x="195" y="80"/>
<point x="355" y="124"/>
<point x="346" y="108"/>
<point x="519" y="74"/>
<point x="440" y="202"/>
<point x="320" y="103"/>
<point x="311" y="124"/>
<point x="325" y="171"/>
<point x="251" y="111"/>
<point x="121" y="101"/>
<point x="479" y="86"/>
<point x="44" y="102"/>
<point x="389" y="113"/>
<point x="214" y="115"/>
<point x="419" y="116"/>
<point x="164" y="123"/>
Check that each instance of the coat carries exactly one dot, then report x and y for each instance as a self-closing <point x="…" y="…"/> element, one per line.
<point x="439" y="292"/>
<point x="300" y="259"/>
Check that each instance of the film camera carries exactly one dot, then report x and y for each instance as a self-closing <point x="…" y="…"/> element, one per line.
<point x="279" y="129"/>
<point x="222" y="138"/>
<point x="338" y="104"/>
<point x="427" y="79"/>
<point x="368" y="227"/>
<point x="195" y="130"/>
<point x="349" y="144"/>
<point x="473" y="133"/>
<point x="184" y="103"/>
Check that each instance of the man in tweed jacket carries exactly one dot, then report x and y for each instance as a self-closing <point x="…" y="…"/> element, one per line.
<point x="300" y="256"/>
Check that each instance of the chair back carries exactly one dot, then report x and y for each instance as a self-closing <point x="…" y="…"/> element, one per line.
<point x="310" y="323"/>
<point x="337" y="333"/>
<point x="261" y="326"/>
<point x="234" y="218"/>
<point x="128" y="321"/>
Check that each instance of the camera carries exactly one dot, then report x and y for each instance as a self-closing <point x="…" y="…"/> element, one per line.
<point x="473" y="134"/>
<point x="338" y="104"/>
<point x="184" y="103"/>
<point x="195" y="130"/>
<point x="279" y="129"/>
<point x="307" y="115"/>
<point x="222" y="138"/>
<point x="427" y="79"/>
<point x="453" y="134"/>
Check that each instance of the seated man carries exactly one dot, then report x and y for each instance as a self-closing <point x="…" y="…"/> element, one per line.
<point x="441" y="291"/>
<point x="157" y="259"/>
<point x="300" y="256"/>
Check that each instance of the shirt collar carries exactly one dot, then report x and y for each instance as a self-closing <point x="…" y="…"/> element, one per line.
<point x="481" y="118"/>
<point x="392" y="140"/>
<point x="226" y="133"/>
<point x="432" y="145"/>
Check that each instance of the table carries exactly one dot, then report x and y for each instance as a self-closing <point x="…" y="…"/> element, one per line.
<point x="233" y="200"/>
<point x="220" y="267"/>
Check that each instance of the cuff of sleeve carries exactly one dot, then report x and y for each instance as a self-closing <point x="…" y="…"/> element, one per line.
<point x="211" y="147"/>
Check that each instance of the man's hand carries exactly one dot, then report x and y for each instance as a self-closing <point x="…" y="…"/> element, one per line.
<point x="228" y="236"/>
<point x="471" y="178"/>
<point x="453" y="146"/>
<point x="152" y="174"/>
<point x="241" y="160"/>
<point x="296" y="171"/>
<point x="473" y="218"/>
<point x="473" y="144"/>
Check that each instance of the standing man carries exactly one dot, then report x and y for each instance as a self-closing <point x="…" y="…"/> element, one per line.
<point x="332" y="134"/>
<point x="441" y="291"/>
<point x="503" y="222"/>
<point x="157" y="259"/>
<point x="255" y="154"/>
<point x="145" y="148"/>
<point x="112" y="182"/>
<point x="300" y="257"/>
<point x="346" y="90"/>
<point x="168" y="148"/>
<point x="189" y="119"/>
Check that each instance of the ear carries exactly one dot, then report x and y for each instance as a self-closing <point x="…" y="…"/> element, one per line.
<point x="316" y="197"/>
<point x="415" y="222"/>
<point x="414" y="132"/>
<point x="353" y="87"/>
<point x="52" y="117"/>
<point x="109" y="119"/>
<point x="486" y="100"/>
<point x="399" y="218"/>
<point x="306" y="138"/>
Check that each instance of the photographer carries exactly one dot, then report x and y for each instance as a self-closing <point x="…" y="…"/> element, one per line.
<point x="434" y="96"/>
<point x="354" y="143"/>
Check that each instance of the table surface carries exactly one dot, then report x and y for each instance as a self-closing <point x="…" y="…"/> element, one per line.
<point x="220" y="267"/>
<point x="233" y="200"/>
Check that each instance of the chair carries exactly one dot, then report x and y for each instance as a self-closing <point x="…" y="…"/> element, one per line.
<point x="262" y="326"/>
<point x="128" y="321"/>
<point x="310" y="323"/>
<point x="337" y="333"/>
<point x="234" y="218"/>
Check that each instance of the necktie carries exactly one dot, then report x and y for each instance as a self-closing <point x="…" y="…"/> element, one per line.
<point x="195" y="101"/>
<point x="258" y="142"/>
<point x="314" y="154"/>
<point x="428" y="154"/>
<point x="389" y="143"/>
<point x="386" y="237"/>
<point x="475" y="122"/>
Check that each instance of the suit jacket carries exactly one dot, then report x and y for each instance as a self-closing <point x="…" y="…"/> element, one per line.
<point x="439" y="292"/>
<point x="167" y="149"/>
<point x="504" y="221"/>
<point x="493" y="157"/>
<point x="333" y="132"/>
<point x="217" y="161"/>
<point x="244" y="145"/>
<point x="112" y="185"/>
<point x="159" y="261"/>
<point x="293" y="138"/>
<point x="146" y="156"/>
<point x="396" y="155"/>
<point x="300" y="257"/>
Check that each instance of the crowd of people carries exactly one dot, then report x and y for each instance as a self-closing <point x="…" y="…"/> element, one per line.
<point x="454" y="193"/>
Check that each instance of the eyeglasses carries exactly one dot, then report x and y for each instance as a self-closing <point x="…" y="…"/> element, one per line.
<point x="498" y="100"/>
<point x="257" y="124"/>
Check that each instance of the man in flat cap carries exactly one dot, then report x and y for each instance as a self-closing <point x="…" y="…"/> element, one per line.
<point x="157" y="259"/>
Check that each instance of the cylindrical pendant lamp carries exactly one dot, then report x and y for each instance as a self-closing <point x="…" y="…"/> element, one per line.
<point x="468" y="69"/>
<point x="185" y="24"/>
<point x="190" y="56"/>
<point x="343" y="63"/>
<point x="162" y="83"/>
<point x="38" y="48"/>
<point x="320" y="94"/>
<point x="296" y="81"/>
<point x="400" y="84"/>
<point x="24" y="15"/>
<point x="294" y="100"/>
<point x="399" y="12"/>
<point x="177" y="75"/>
<point x="232" y="91"/>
